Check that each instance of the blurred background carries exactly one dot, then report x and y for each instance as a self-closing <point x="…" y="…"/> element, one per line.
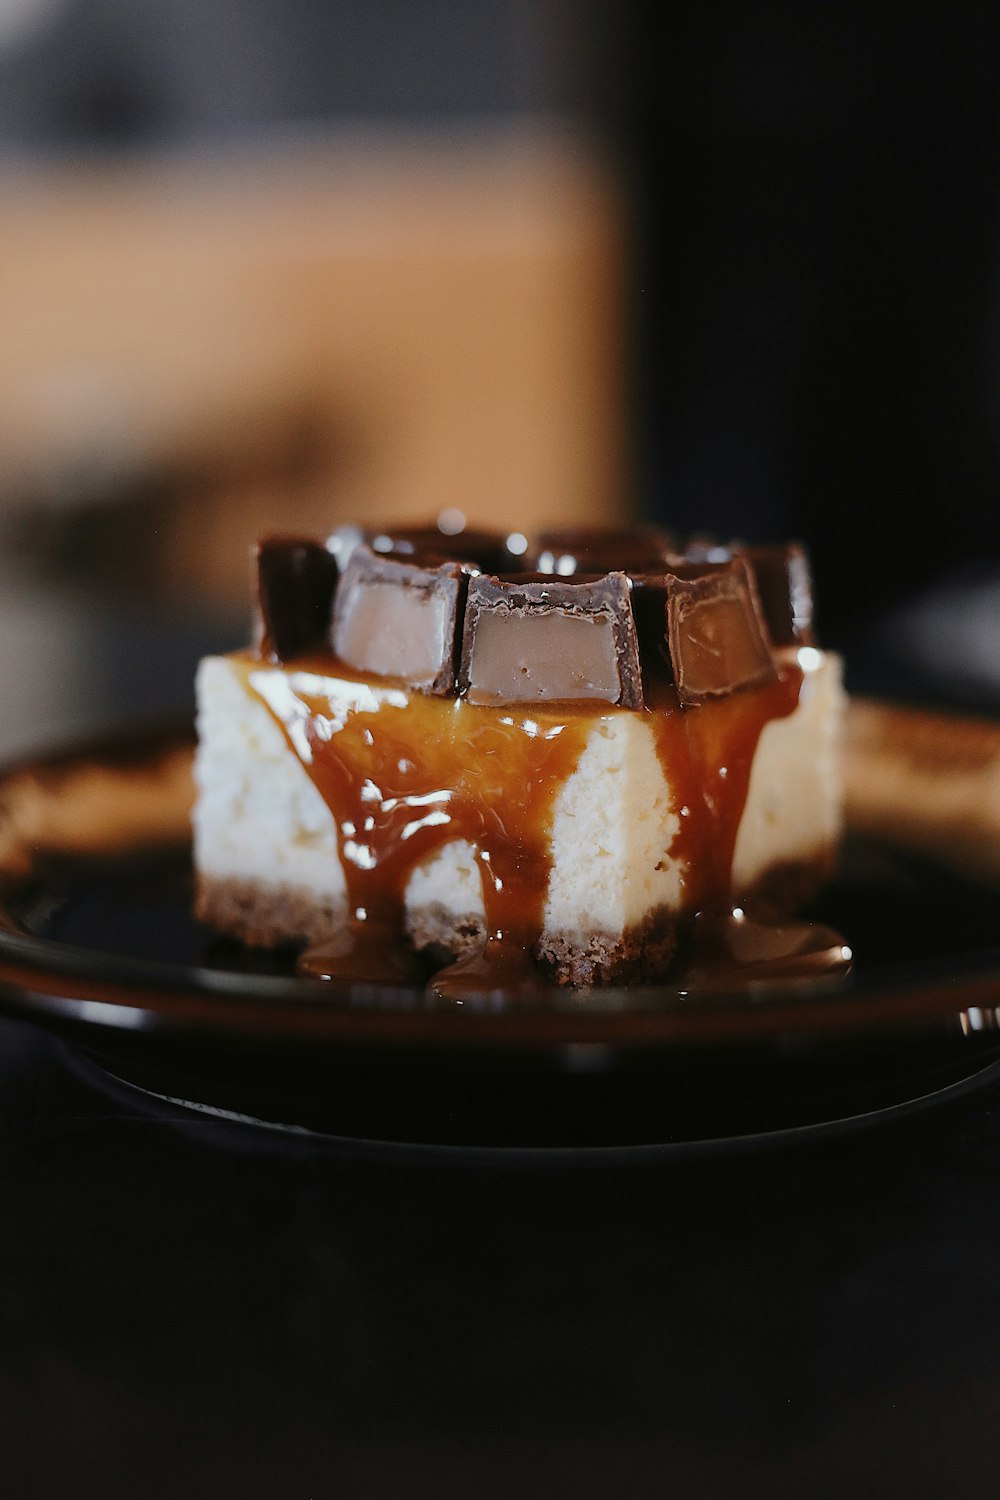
<point x="273" y="264"/>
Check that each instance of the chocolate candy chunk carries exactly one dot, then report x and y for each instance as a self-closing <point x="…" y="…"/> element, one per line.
<point x="702" y="548"/>
<point x="491" y="551"/>
<point x="715" y="631"/>
<point x="649" y="610"/>
<point x="784" y="584"/>
<point x="296" y="578"/>
<point x="343" y="539"/>
<point x="487" y="549"/>
<point x="532" y="639"/>
<point x="596" y="549"/>
<point x="399" y="619"/>
<point x="650" y="592"/>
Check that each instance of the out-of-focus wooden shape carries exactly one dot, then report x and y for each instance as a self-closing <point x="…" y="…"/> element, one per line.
<point x="929" y="782"/>
<point x="442" y="319"/>
<point x="91" y="806"/>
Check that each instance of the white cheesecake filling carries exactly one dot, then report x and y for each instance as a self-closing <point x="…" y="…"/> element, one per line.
<point x="260" y="819"/>
<point x="792" y="813"/>
<point x="258" y="816"/>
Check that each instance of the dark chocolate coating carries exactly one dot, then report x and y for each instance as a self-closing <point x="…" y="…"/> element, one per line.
<point x="296" y="579"/>
<point x="784" y="584"/>
<point x="704" y="548"/>
<point x="488" y="550"/>
<point x="755" y="599"/>
<point x="782" y="578"/>
<point x="649" y="610"/>
<point x="567" y="550"/>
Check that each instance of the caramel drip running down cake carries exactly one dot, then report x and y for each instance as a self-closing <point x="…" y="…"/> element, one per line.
<point x="521" y="758"/>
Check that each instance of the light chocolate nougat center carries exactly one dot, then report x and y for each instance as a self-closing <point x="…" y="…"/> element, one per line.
<point x="535" y="656"/>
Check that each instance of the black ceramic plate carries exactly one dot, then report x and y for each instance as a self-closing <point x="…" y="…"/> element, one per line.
<point x="97" y="941"/>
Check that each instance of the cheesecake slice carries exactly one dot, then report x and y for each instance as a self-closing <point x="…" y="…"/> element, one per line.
<point x="419" y="755"/>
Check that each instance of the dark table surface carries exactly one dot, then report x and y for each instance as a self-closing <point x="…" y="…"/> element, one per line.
<point x="192" y="1306"/>
<point x="196" y="1306"/>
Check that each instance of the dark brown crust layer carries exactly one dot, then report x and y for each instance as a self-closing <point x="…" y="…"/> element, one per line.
<point x="265" y="916"/>
<point x="434" y="928"/>
<point x="268" y="916"/>
<point x="641" y="956"/>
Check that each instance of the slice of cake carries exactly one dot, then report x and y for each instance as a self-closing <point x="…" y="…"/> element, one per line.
<point x="431" y="750"/>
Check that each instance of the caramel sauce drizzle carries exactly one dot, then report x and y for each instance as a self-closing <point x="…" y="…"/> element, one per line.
<point x="706" y="753"/>
<point x="404" y="774"/>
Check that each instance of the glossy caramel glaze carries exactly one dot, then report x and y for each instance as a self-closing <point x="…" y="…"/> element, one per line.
<point x="404" y="774"/>
<point x="707" y="755"/>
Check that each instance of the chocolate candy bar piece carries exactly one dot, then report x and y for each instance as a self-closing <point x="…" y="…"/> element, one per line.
<point x="703" y="548"/>
<point x="343" y="539"/>
<point x="489" y="550"/>
<point x="649" y="610"/>
<point x="596" y="549"/>
<point x="784" y="584"/>
<point x="715" y="631"/>
<point x="534" y="639"/>
<point x="296" y="579"/>
<point x="398" y="618"/>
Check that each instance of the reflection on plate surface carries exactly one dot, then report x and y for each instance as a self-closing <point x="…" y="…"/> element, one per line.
<point x="97" y="940"/>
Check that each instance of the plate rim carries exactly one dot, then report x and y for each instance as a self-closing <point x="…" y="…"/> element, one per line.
<point x="65" y="983"/>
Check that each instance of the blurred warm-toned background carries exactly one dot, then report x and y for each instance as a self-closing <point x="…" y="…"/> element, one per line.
<point x="273" y="266"/>
<point x="369" y="327"/>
